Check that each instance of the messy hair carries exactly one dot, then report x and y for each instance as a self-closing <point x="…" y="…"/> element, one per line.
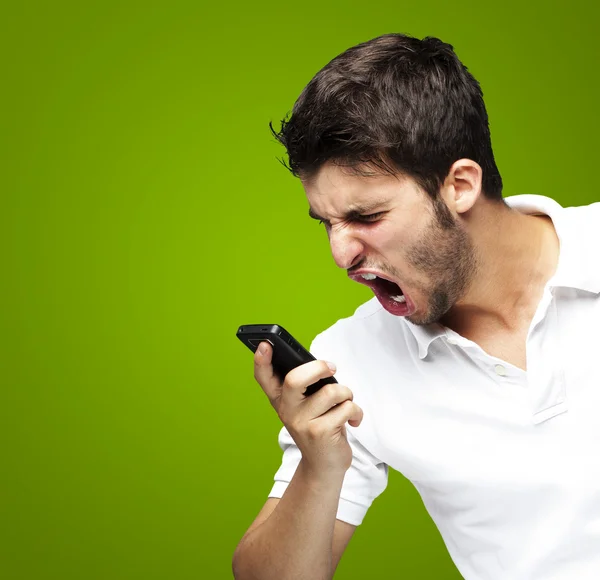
<point x="396" y="103"/>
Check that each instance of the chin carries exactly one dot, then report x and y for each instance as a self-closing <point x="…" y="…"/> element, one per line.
<point x="418" y="320"/>
<point x="428" y="317"/>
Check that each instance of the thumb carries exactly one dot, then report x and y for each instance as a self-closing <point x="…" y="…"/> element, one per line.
<point x="263" y="371"/>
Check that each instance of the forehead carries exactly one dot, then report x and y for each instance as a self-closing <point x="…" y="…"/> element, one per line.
<point x="335" y="190"/>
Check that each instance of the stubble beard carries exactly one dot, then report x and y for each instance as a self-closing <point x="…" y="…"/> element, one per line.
<point x="446" y="255"/>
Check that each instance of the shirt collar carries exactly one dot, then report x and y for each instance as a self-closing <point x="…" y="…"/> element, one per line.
<point x="576" y="268"/>
<point x="577" y="261"/>
<point x="425" y="334"/>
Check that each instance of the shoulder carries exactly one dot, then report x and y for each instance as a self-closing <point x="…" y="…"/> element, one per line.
<point x="367" y="316"/>
<point x="583" y="215"/>
<point x="579" y="223"/>
<point x="540" y="204"/>
<point x="578" y="229"/>
<point x="582" y="225"/>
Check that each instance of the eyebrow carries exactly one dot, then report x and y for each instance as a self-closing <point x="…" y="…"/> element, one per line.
<point x="356" y="211"/>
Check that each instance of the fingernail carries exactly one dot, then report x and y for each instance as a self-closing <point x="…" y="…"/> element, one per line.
<point x="261" y="349"/>
<point x="331" y="366"/>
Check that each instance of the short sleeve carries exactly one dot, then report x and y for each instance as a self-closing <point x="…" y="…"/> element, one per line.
<point x="365" y="479"/>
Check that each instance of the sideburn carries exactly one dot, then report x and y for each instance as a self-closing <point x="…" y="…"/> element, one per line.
<point x="446" y="254"/>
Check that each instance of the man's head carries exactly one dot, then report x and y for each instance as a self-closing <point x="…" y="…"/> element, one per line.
<point x="397" y="113"/>
<point x="388" y="226"/>
<point x="400" y="103"/>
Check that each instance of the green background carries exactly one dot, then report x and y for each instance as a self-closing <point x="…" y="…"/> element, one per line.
<point x="144" y="216"/>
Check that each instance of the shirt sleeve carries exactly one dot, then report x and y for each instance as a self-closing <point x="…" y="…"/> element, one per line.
<point x="365" y="479"/>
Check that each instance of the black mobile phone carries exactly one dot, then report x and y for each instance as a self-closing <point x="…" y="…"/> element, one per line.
<point x="288" y="353"/>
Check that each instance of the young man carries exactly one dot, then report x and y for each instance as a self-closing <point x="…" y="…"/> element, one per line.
<point x="473" y="369"/>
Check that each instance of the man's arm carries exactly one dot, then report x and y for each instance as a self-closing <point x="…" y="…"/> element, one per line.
<point x="293" y="539"/>
<point x="296" y="536"/>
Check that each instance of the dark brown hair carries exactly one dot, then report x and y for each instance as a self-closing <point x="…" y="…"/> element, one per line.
<point x="398" y="103"/>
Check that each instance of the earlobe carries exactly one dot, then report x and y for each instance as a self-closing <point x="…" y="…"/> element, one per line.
<point x="464" y="203"/>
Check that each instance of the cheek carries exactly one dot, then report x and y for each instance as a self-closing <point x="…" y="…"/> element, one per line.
<point x="390" y="250"/>
<point x="396" y="244"/>
<point x="387" y="238"/>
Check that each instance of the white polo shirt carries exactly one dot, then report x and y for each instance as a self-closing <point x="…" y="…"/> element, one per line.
<point x="507" y="462"/>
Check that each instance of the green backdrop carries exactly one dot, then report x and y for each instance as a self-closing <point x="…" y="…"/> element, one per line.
<point x="144" y="216"/>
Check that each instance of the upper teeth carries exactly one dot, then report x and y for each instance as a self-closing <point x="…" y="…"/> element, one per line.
<point x="369" y="276"/>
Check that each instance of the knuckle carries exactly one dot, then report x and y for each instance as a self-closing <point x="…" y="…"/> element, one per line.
<point x="314" y="430"/>
<point x="339" y="392"/>
<point x="324" y="367"/>
<point x="329" y="390"/>
<point x="290" y="381"/>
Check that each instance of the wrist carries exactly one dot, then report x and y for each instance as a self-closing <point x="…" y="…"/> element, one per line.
<point x="321" y="478"/>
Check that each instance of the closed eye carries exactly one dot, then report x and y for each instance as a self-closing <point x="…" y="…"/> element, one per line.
<point x="370" y="217"/>
<point x="364" y="218"/>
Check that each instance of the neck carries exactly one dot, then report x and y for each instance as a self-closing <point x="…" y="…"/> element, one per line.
<point x="516" y="254"/>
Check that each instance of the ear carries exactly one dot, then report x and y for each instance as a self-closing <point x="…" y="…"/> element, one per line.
<point x="462" y="186"/>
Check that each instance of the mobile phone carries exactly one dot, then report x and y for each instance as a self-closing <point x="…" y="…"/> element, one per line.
<point x="288" y="353"/>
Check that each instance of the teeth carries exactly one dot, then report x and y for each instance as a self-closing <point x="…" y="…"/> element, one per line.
<point x="369" y="276"/>
<point x="398" y="298"/>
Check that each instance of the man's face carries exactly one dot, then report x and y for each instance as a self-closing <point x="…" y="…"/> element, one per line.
<point x="386" y="225"/>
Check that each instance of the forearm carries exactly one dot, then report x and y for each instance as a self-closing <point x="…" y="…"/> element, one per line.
<point x="295" y="542"/>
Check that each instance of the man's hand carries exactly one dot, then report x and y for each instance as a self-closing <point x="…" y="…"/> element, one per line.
<point x="316" y="423"/>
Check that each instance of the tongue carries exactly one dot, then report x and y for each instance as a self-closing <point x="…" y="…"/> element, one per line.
<point x="384" y="290"/>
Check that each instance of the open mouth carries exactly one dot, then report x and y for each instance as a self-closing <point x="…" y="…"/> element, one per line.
<point x="390" y="295"/>
<point x="383" y="286"/>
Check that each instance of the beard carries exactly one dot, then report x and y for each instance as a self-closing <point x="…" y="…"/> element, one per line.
<point x="446" y="255"/>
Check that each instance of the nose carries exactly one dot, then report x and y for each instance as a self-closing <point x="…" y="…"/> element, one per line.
<point x="346" y="249"/>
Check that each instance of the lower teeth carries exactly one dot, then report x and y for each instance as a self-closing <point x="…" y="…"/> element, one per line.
<point x="398" y="298"/>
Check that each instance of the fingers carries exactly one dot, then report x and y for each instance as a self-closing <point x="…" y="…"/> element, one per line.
<point x="290" y="392"/>
<point x="327" y="397"/>
<point x="298" y="379"/>
<point x="346" y="412"/>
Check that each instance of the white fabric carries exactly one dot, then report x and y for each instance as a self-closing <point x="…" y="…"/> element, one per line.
<point x="507" y="462"/>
